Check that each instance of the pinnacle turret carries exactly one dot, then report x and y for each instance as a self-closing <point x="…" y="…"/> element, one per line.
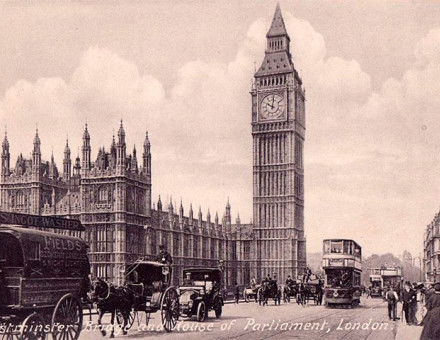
<point x="159" y="204"/>
<point x="86" y="150"/>
<point x="181" y="208"/>
<point x="6" y="157"/>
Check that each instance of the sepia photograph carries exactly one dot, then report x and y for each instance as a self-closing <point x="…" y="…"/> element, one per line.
<point x="247" y="169"/>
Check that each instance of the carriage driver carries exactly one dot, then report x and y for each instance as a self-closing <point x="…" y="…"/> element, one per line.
<point x="164" y="256"/>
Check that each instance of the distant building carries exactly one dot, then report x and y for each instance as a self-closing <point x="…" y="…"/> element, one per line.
<point x="431" y="250"/>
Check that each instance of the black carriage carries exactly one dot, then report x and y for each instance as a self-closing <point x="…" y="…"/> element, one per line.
<point x="290" y="291"/>
<point x="149" y="282"/>
<point x="311" y="291"/>
<point x="201" y="292"/>
<point x="269" y="290"/>
<point x="43" y="278"/>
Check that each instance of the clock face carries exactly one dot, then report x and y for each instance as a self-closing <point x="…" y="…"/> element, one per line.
<point x="272" y="106"/>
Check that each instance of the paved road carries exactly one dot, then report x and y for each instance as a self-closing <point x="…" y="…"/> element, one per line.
<point x="250" y="321"/>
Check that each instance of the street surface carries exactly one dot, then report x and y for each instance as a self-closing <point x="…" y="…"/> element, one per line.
<point x="251" y="321"/>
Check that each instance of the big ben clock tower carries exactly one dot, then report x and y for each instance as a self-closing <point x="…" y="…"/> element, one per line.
<point x="278" y="127"/>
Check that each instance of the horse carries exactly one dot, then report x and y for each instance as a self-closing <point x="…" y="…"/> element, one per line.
<point x="110" y="299"/>
<point x="251" y="292"/>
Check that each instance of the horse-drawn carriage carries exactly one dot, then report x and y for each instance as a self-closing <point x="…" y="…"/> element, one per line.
<point x="201" y="292"/>
<point x="149" y="282"/>
<point x="269" y="290"/>
<point x="289" y="291"/>
<point x="43" y="278"/>
<point x="312" y="292"/>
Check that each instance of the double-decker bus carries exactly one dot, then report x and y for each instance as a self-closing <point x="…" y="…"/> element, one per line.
<point x="391" y="277"/>
<point x="381" y="279"/>
<point x="341" y="262"/>
<point x="376" y="283"/>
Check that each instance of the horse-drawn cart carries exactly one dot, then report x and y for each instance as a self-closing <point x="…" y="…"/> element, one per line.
<point x="149" y="282"/>
<point x="43" y="278"/>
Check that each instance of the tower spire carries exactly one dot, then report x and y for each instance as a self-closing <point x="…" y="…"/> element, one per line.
<point x="277" y="28"/>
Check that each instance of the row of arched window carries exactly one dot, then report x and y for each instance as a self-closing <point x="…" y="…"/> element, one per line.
<point x="273" y="81"/>
<point x="276" y="44"/>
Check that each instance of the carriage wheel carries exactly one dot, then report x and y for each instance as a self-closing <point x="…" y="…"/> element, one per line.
<point x="68" y="314"/>
<point x="169" y="308"/>
<point x="132" y="315"/>
<point x="201" y="312"/>
<point x="32" y="328"/>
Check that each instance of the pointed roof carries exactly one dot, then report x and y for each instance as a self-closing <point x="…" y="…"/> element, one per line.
<point x="277" y="28"/>
<point x="121" y="131"/>
<point x="86" y="134"/>
<point x="147" y="140"/>
<point x="5" y="143"/>
<point x="36" y="138"/>
<point x="67" y="148"/>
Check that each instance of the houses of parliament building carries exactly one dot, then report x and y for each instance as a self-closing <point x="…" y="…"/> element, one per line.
<point x="111" y="193"/>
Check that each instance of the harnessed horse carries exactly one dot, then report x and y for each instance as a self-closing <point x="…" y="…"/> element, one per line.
<point x="110" y="299"/>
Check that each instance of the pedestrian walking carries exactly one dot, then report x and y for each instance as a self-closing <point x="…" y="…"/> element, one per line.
<point x="413" y="305"/>
<point x="408" y="299"/>
<point x="368" y="291"/>
<point x="392" y="298"/>
<point x="237" y="293"/>
<point x="431" y="322"/>
<point x="421" y="310"/>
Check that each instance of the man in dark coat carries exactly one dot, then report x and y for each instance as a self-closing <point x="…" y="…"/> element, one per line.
<point x="392" y="298"/>
<point x="408" y="298"/>
<point x="431" y="322"/>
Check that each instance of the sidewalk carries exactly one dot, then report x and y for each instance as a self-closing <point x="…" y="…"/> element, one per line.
<point x="405" y="332"/>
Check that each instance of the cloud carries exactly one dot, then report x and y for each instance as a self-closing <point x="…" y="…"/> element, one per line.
<point x="371" y="156"/>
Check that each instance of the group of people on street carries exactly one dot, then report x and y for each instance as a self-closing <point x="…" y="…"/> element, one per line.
<point x="420" y="306"/>
<point x="412" y="297"/>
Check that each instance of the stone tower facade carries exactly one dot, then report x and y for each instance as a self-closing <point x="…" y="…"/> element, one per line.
<point x="278" y="131"/>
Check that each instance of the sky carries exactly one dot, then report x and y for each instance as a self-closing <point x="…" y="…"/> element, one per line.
<point x="182" y="70"/>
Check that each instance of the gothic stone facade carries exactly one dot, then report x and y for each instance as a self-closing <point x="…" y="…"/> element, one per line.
<point x="112" y="198"/>
<point x="431" y="250"/>
<point x="278" y="127"/>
